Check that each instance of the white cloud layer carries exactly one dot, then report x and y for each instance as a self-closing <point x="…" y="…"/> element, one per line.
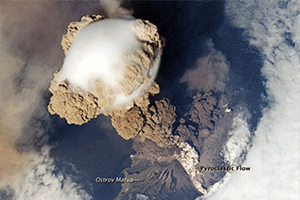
<point x="29" y="55"/>
<point x="273" y="27"/>
<point x="41" y="182"/>
<point x="238" y="142"/>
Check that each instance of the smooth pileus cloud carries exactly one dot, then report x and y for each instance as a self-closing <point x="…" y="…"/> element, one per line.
<point x="110" y="64"/>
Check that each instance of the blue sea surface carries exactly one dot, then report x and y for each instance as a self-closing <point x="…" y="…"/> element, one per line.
<point x="246" y="85"/>
<point x="94" y="151"/>
<point x="97" y="150"/>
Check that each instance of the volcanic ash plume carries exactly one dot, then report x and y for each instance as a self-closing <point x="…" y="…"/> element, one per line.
<point x="110" y="66"/>
<point x="153" y="122"/>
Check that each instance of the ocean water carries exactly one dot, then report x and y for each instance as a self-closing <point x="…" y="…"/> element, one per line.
<point x="246" y="85"/>
<point x="95" y="149"/>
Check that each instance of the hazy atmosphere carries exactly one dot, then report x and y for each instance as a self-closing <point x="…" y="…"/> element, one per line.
<point x="142" y="100"/>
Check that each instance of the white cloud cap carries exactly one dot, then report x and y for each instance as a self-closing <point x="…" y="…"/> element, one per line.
<point x="99" y="52"/>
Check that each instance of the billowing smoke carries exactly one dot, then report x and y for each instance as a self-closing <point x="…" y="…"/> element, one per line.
<point x="114" y="9"/>
<point x="20" y="85"/>
<point x="238" y="142"/>
<point x="199" y="140"/>
<point x="211" y="72"/>
<point x="273" y="27"/>
<point x="110" y="64"/>
<point x="29" y="56"/>
<point x="110" y="67"/>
